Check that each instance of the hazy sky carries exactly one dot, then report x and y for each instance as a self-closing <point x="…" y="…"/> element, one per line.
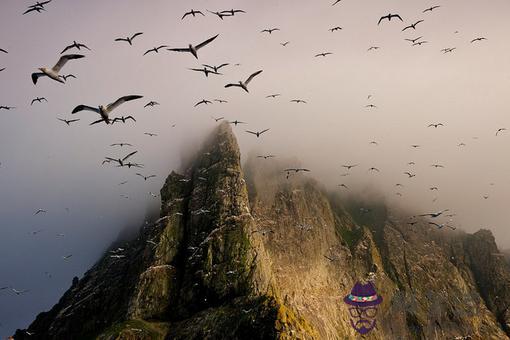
<point x="46" y="164"/>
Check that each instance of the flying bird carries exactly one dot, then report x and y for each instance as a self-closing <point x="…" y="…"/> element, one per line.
<point x="371" y="48"/>
<point x="218" y="119"/>
<point x="34" y="9"/>
<point x="123" y="119"/>
<point x="257" y="133"/>
<point x="19" y="292"/>
<point x="266" y="156"/>
<point x="205" y="70"/>
<point x="334" y="3"/>
<point x="389" y="17"/>
<point x="221" y="101"/>
<point x="478" y="39"/>
<point x="374" y="169"/>
<point x="343" y="186"/>
<point x="500" y="130"/>
<point x="129" y="40"/>
<point x="349" y="167"/>
<point x="269" y="30"/>
<point x="410" y="175"/>
<point x="40" y="211"/>
<point x="40" y="4"/>
<point x="298" y="101"/>
<point x="121" y="160"/>
<point x="150" y="134"/>
<point x="203" y="101"/>
<point x="151" y="103"/>
<point x="2" y="50"/>
<point x="431" y="9"/>
<point x="436" y="214"/>
<point x="219" y="14"/>
<point x="296" y="170"/>
<point x="68" y="121"/>
<point x="145" y="177"/>
<point x="121" y="144"/>
<point x="414" y="40"/>
<point x="442" y="225"/>
<point x="216" y="68"/>
<point x="235" y="122"/>
<point x="273" y="95"/>
<point x="336" y="28"/>
<point x="436" y="125"/>
<point x="419" y="43"/>
<point x="6" y="107"/>
<point x="244" y="85"/>
<point x="193" y="13"/>
<point x="284" y="44"/>
<point x="104" y="111"/>
<point x="448" y="50"/>
<point x="67" y="76"/>
<point x="413" y="26"/>
<point x="155" y="49"/>
<point x="194" y="49"/>
<point x="38" y="99"/>
<point x="75" y="45"/>
<point x="232" y="12"/>
<point x="323" y="54"/>
<point x="53" y="72"/>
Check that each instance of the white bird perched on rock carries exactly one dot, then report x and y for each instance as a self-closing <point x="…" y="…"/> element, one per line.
<point x="104" y="111"/>
<point x="53" y="72"/>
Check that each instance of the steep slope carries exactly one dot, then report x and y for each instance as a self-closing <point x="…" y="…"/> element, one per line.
<point x="252" y="255"/>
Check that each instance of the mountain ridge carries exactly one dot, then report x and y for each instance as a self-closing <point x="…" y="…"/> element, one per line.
<point x="244" y="253"/>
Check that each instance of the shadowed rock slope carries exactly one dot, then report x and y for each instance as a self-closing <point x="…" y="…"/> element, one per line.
<point x="253" y="255"/>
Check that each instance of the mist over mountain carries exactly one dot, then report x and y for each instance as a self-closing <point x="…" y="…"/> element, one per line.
<point x="252" y="254"/>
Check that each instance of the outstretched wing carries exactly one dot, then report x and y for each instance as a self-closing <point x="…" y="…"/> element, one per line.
<point x="261" y="132"/>
<point x="85" y="107"/>
<point x="230" y="85"/>
<point x="136" y="34"/>
<point x="129" y="155"/>
<point x="252" y="76"/>
<point x="206" y="42"/>
<point x="253" y="133"/>
<point x="179" y="49"/>
<point x="36" y="76"/>
<point x="97" y="121"/>
<point x="64" y="59"/>
<point x="121" y="100"/>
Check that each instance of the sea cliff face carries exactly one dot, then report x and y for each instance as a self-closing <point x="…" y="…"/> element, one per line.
<point x="244" y="253"/>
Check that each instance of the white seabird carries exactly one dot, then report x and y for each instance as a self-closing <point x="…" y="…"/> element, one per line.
<point x="53" y="72"/>
<point x="104" y="111"/>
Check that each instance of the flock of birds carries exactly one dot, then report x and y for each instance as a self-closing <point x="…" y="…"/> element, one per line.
<point x="104" y="113"/>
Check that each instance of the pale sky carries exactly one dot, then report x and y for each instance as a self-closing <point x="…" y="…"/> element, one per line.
<point x="46" y="164"/>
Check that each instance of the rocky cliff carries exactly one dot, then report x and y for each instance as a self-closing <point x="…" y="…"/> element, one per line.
<point x="248" y="254"/>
